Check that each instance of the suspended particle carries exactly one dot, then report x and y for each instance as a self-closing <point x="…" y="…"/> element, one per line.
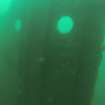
<point x="41" y="59"/>
<point x="65" y="24"/>
<point x="18" y="25"/>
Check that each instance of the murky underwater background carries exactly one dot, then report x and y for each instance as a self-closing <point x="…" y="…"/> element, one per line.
<point x="52" y="52"/>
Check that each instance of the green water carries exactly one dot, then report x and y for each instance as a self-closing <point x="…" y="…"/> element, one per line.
<point x="52" y="52"/>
